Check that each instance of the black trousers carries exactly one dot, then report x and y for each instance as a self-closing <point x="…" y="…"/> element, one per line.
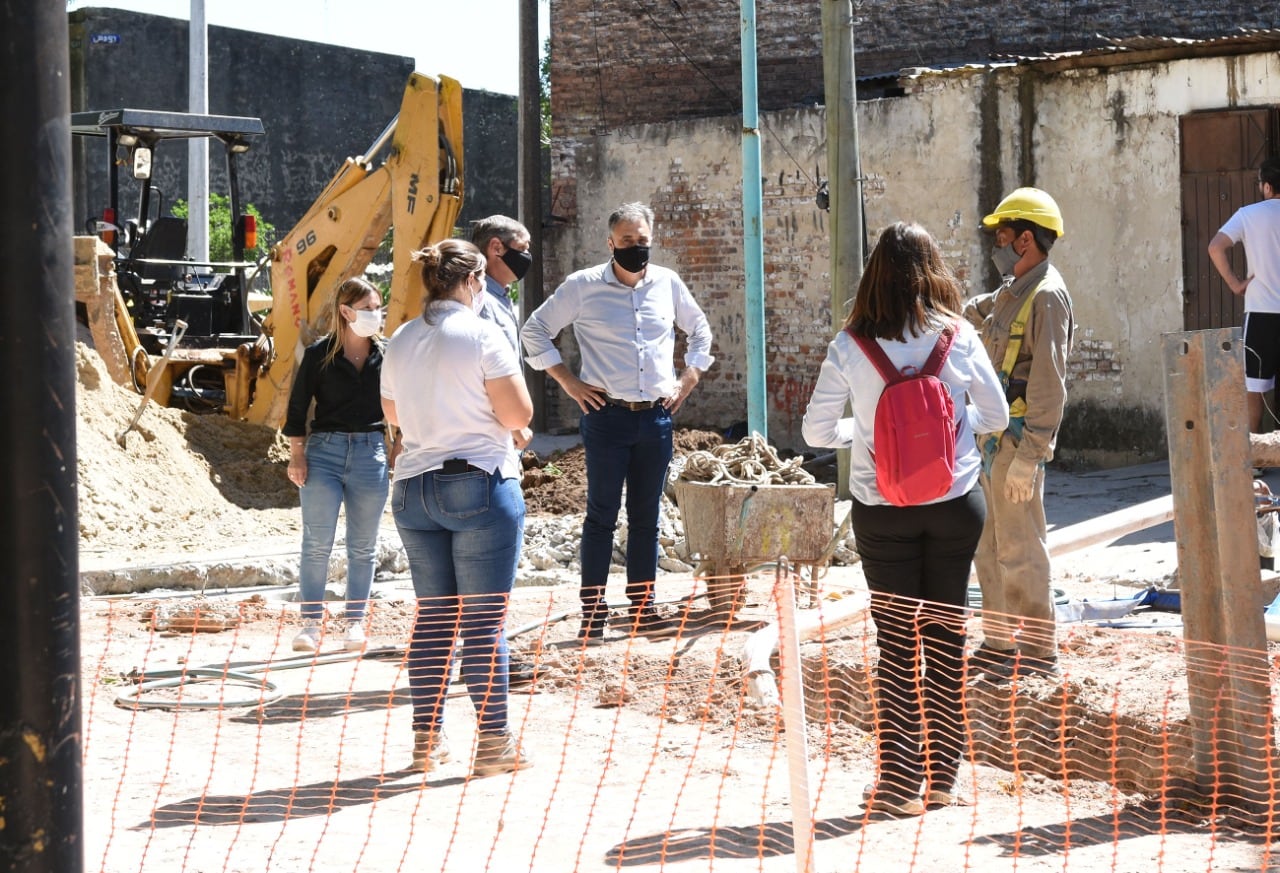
<point x="917" y="561"/>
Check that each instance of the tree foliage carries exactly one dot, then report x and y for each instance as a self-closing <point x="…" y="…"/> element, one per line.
<point x="220" y="248"/>
<point x="544" y="91"/>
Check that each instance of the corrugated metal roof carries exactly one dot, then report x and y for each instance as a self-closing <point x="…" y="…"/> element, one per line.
<point x="1260" y="36"/>
<point x="1246" y="39"/>
<point x="1119" y="50"/>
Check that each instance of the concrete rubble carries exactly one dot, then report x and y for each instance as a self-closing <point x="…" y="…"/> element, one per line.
<point x="550" y="557"/>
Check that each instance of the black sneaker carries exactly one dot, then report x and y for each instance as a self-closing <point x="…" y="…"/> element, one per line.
<point x="520" y="672"/>
<point x="591" y="631"/>
<point x="986" y="658"/>
<point x="1023" y="667"/>
<point x="647" y="621"/>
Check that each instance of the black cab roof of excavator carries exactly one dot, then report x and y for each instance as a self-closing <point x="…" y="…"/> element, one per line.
<point x="151" y="126"/>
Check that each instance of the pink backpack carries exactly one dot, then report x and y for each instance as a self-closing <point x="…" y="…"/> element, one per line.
<point x="915" y="427"/>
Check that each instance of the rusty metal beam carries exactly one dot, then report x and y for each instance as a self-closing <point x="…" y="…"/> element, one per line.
<point x="1227" y="666"/>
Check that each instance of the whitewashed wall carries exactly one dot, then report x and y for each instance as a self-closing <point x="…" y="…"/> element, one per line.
<point x="1103" y="141"/>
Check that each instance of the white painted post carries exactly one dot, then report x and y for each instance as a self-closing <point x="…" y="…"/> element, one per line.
<point x="793" y="719"/>
<point x="198" y="147"/>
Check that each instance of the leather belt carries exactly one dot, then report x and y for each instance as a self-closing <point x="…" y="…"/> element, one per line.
<point x="633" y="405"/>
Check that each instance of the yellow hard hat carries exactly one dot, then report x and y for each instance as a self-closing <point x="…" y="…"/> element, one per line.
<point x="1031" y="204"/>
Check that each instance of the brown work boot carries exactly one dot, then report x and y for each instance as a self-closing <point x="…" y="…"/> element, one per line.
<point x="429" y="749"/>
<point x="497" y="752"/>
<point x="891" y="803"/>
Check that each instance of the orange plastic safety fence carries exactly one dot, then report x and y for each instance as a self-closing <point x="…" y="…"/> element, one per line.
<point x="211" y="745"/>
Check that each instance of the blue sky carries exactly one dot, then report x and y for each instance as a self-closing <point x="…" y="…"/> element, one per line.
<point x="473" y="41"/>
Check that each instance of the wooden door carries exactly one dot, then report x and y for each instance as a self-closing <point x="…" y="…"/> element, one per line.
<point x="1221" y="151"/>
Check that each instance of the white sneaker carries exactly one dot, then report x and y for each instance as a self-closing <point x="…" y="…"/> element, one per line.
<point x="354" y="641"/>
<point x="308" y="639"/>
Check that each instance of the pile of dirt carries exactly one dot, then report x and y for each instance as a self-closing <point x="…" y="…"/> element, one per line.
<point x="557" y="485"/>
<point x="185" y="483"/>
<point x="180" y="482"/>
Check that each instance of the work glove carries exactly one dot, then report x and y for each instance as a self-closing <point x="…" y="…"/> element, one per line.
<point x="1020" y="481"/>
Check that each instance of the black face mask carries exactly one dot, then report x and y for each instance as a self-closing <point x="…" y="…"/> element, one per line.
<point x="517" y="262"/>
<point x="632" y="259"/>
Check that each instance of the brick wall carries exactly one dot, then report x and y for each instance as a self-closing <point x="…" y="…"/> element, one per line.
<point x="941" y="154"/>
<point x="617" y="64"/>
<point x="620" y="64"/>
<point x="690" y="173"/>
<point x="1094" y="360"/>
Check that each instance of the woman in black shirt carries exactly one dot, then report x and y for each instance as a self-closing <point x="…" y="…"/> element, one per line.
<point x="343" y="460"/>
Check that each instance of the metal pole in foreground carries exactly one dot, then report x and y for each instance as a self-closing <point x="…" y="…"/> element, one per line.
<point x="530" y="203"/>
<point x="1228" y="670"/>
<point x="41" y="821"/>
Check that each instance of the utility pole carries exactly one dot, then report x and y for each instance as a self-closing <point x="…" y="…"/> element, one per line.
<point x="198" y="146"/>
<point x="530" y="180"/>
<point x="753" y="231"/>
<point x="843" y="171"/>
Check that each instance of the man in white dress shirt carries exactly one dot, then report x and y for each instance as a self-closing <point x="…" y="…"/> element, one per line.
<point x="624" y="314"/>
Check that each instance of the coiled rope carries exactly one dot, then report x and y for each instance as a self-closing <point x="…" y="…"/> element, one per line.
<point x="749" y="462"/>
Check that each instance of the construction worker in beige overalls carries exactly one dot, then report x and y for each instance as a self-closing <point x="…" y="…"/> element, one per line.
<point x="1027" y="329"/>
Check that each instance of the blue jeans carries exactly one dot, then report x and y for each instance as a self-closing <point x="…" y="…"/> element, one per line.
<point x="342" y="469"/>
<point x="631" y="448"/>
<point x="462" y="534"/>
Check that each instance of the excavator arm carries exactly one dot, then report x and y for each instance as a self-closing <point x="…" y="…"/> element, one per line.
<point x="416" y="192"/>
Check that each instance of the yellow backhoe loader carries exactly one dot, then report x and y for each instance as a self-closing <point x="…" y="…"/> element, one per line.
<point x="243" y="353"/>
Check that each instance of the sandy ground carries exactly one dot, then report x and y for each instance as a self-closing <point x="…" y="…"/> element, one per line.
<point x="647" y="754"/>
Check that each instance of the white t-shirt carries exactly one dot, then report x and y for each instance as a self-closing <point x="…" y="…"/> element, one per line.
<point x="435" y="372"/>
<point x="1258" y="227"/>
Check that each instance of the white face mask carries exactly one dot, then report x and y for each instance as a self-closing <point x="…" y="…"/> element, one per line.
<point x="477" y="299"/>
<point x="367" y="323"/>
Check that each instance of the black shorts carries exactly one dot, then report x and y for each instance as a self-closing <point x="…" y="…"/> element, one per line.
<point x="1261" y="350"/>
